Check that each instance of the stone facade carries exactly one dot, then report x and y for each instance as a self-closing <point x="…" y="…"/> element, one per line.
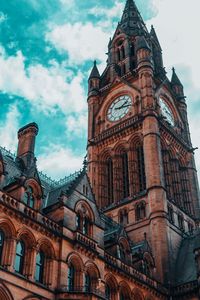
<point x="126" y="226"/>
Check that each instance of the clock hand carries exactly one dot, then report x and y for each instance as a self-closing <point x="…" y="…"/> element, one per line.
<point x="122" y="106"/>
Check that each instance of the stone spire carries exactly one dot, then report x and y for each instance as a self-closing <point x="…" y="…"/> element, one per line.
<point x="175" y="80"/>
<point x="132" y="22"/>
<point x="95" y="72"/>
<point x="154" y="36"/>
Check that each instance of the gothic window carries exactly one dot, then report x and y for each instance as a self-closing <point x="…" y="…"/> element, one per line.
<point x="87" y="283"/>
<point x="2" y="238"/>
<point x="123" y="52"/>
<point x="78" y="222"/>
<point x="39" y="269"/>
<point x="110" y="180"/>
<point x="181" y="222"/>
<point x="83" y="223"/>
<point x="118" y="54"/>
<point x="141" y="169"/>
<point x="170" y="214"/>
<point x="125" y="175"/>
<point x="140" y="211"/>
<point x="19" y="257"/>
<point x="185" y="189"/>
<point x="176" y="182"/>
<point x="28" y="197"/>
<point x="123" y="217"/>
<point x="167" y="173"/>
<point x="86" y="225"/>
<point x="122" y="252"/>
<point x="71" y="278"/>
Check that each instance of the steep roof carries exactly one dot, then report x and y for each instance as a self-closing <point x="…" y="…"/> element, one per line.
<point x="185" y="265"/>
<point x="131" y="21"/>
<point x="175" y="80"/>
<point x="95" y="72"/>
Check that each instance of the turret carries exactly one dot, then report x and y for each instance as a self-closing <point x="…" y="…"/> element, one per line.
<point x="177" y="85"/>
<point x="157" y="54"/>
<point x="93" y="98"/>
<point x="94" y="80"/>
<point x="26" y="145"/>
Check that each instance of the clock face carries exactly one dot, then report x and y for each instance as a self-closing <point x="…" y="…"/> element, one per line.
<point x="119" y="108"/>
<point x="166" y="112"/>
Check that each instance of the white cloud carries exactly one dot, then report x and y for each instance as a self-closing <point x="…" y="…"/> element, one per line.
<point x="58" y="162"/>
<point x="8" y="134"/>
<point x="3" y="17"/>
<point x="81" y="41"/>
<point x="115" y="12"/>
<point x="177" y="24"/>
<point x="45" y="88"/>
<point x="77" y="125"/>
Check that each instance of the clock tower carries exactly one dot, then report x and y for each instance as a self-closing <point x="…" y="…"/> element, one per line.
<point x="140" y="157"/>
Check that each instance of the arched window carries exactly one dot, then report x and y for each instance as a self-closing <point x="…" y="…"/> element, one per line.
<point x="78" y="222"/>
<point x="39" y="270"/>
<point x="125" y="174"/>
<point x="110" y="180"/>
<point x="71" y="278"/>
<point x="19" y="257"/>
<point x="122" y="252"/>
<point x="87" y="283"/>
<point x="2" y="238"/>
<point x="86" y="226"/>
<point x="123" y="52"/>
<point x="140" y="211"/>
<point x="28" y="197"/>
<point x="118" y="54"/>
<point x="141" y="169"/>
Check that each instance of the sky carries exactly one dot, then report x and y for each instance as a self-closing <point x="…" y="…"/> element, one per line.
<point x="47" y="49"/>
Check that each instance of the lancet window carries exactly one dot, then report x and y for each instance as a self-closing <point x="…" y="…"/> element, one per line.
<point x="141" y="168"/>
<point x="125" y="174"/>
<point x="39" y="269"/>
<point x="176" y="182"/>
<point x="19" y="257"/>
<point x="2" y="238"/>
<point x="109" y="167"/>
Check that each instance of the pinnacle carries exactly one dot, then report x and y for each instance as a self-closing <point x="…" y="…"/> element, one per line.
<point x="154" y="36"/>
<point x="175" y="80"/>
<point x="95" y="71"/>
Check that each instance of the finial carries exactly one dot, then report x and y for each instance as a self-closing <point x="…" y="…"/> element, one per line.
<point x="95" y="62"/>
<point x="173" y="69"/>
